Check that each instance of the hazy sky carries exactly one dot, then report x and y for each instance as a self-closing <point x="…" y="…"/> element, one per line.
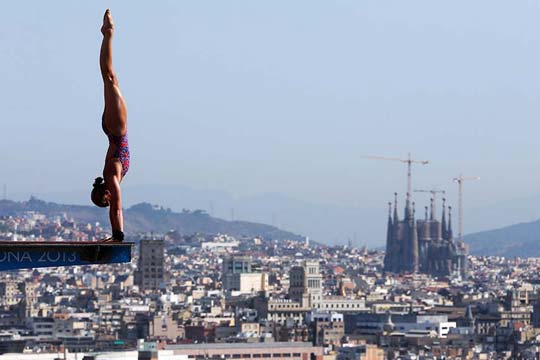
<point x="278" y="96"/>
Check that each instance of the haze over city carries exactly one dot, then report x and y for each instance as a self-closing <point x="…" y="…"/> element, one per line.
<point x="268" y="108"/>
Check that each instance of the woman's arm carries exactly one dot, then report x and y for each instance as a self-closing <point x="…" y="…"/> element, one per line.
<point x="115" y="206"/>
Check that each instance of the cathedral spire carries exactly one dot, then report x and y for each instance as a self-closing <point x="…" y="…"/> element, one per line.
<point x="426" y="215"/>
<point x="450" y="233"/>
<point x="408" y="207"/>
<point x="396" y="218"/>
<point x="432" y="207"/>
<point x="443" y="220"/>
<point x="388" y="257"/>
<point x="414" y="242"/>
<point x="389" y="214"/>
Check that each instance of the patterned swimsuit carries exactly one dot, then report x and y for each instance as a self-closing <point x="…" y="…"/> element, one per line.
<point x="122" y="149"/>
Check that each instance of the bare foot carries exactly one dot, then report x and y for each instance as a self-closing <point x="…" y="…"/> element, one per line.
<point x="108" y="25"/>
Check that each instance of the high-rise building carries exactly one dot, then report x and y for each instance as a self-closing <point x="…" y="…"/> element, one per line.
<point x="151" y="265"/>
<point x="425" y="246"/>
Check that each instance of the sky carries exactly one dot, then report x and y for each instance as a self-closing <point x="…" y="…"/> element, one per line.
<point x="279" y="97"/>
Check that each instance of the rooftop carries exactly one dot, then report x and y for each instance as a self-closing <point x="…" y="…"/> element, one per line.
<point x="273" y="345"/>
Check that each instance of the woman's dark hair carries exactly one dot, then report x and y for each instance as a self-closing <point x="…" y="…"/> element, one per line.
<point x="98" y="193"/>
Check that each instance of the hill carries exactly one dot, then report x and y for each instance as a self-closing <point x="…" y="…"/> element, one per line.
<point x="145" y="218"/>
<point x="521" y="240"/>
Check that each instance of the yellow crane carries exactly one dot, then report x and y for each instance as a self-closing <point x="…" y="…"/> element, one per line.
<point x="459" y="180"/>
<point x="409" y="161"/>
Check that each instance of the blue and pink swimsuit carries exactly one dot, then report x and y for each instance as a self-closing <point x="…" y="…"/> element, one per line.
<point x="122" y="149"/>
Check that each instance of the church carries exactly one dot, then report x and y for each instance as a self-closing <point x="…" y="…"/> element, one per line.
<point x="424" y="245"/>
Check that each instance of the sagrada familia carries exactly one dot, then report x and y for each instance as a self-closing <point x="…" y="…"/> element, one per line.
<point x="423" y="246"/>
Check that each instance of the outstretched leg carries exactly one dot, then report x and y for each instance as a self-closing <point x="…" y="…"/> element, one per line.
<point x="115" y="113"/>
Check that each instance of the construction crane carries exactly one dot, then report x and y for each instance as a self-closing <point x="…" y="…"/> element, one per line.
<point x="459" y="180"/>
<point x="409" y="161"/>
<point x="433" y="193"/>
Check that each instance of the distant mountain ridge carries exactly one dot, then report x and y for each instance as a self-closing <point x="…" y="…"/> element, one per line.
<point x="519" y="240"/>
<point x="323" y="222"/>
<point x="145" y="218"/>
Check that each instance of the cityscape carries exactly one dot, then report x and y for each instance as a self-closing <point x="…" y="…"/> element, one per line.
<point x="203" y="296"/>
<point x="233" y="180"/>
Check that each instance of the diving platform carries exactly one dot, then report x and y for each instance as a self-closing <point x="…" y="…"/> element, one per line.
<point x="37" y="254"/>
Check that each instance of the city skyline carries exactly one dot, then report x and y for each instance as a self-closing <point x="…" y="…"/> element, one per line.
<point x="288" y="107"/>
<point x="216" y="294"/>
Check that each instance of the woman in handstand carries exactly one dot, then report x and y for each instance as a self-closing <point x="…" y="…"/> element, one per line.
<point x="106" y="190"/>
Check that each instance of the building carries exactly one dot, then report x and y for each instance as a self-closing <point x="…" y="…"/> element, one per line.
<point x="328" y="332"/>
<point x="28" y="290"/>
<point x="306" y="284"/>
<point x="237" y="264"/>
<point x="372" y="324"/>
<point x="425" y="246"/>
<point x="42" y="327"/>
<point x="9" y="293"/>
<point x="240" y="276"/>
<point x="275" y="350"/>
<point x="150" y="267"/>
<point x="517" y="308"/>
<point x="305" y="294"/>
<point x="246" y="283"/>
<point x="163" y="326"/>
<point x="360" y="352"/>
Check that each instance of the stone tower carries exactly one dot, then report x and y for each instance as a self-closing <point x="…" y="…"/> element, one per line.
<point x="306" y="284"/>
